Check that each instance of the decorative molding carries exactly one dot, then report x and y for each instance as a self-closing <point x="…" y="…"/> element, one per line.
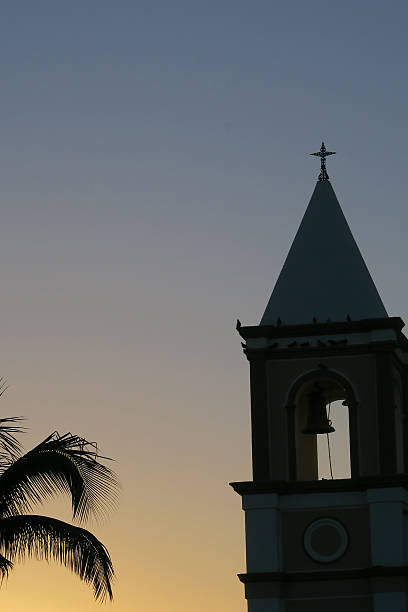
<point x="376" y="571"/>
<point x="265" y="353"/>
<point x="323" y="372"/>
<point x="283" y="487"/>
<point x="333" y="524"/>
<point x="320" y="329"/>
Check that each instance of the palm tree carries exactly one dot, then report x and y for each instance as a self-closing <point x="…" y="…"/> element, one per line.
<point x="60" y="464"/>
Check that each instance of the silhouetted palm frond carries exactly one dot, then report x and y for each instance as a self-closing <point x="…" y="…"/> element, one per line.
<point x="5" y="566"/>
<point x="10" y="447"/>
<point x="66" y="464"/>
<point x="48" y="538"/>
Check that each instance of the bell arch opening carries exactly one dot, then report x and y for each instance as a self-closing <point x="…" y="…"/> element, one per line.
<point x="323" y="428"/>
<point x="333" y="450"/>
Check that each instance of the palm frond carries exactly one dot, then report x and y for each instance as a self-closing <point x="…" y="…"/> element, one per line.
<point x="5" y="566"/>
<point x="3" y="385"/>
<point x="10" y="447"/>
<point x="67" y="464"/>
<point x="48" y="538"/>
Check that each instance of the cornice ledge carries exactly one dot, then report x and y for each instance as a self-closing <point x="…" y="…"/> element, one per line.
<point x="317" y="329"/>
<point x="294" y="487"/>
<point x="332" y="574"/>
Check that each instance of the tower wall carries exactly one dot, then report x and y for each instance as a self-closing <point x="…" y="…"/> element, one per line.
<point x="288" y="510"/>
<point x="353" y="562"/>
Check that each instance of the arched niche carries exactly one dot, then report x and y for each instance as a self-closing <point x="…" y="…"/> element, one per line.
<point x="303" y="454"/>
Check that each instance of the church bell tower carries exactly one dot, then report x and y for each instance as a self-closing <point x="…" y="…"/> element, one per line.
<point x="325" y="354"/>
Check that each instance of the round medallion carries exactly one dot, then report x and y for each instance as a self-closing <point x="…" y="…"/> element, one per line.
<point x="325" y="540"/>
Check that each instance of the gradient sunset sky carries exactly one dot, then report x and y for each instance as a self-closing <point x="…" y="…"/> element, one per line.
<point x="154" y="165"/>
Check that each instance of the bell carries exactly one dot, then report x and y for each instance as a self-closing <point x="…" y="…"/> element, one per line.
<point x="317" y="421"/>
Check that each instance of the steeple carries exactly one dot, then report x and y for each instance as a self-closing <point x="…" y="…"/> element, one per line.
<point x="328" y="370"/>
<point x="324" y="276"/>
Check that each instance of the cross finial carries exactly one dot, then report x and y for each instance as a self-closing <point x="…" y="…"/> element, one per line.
<point x="323" y="176"/>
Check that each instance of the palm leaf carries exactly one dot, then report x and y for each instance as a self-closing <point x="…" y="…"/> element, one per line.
<point x="5" y="566"/>
<point x="66" y="464"/>
<point x="10" y="447"/>
<point x="46" y="538"/>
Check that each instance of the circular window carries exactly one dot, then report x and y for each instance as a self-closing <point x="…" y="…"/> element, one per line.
<point x="325" y="540"/>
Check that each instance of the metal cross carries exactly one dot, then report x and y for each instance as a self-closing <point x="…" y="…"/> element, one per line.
<point x="323" y="176"/>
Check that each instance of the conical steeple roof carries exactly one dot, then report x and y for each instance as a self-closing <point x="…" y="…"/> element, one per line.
<point x="324" y="275"/>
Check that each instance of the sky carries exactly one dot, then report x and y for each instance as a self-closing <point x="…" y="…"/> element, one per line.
<point x="154" y="168"/>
